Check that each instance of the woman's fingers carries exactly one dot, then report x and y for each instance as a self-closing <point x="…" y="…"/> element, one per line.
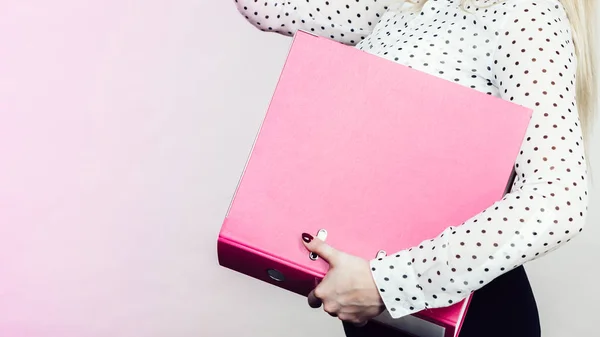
<point x="320" y="296"/>
<point x="353" y="319"/>
<point x="331" y="309"/>
<point x="313" y="300"/>
<point x="360" y="324"/>
<point x="319" y="247"/>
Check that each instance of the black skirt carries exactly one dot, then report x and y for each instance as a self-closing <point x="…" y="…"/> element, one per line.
<point x="504" y="307"/>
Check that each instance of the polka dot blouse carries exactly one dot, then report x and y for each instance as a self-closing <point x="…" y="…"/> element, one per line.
<point x="519" y="50"/>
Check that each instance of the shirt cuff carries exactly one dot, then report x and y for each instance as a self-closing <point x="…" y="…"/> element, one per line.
<point x="398" y="284"/>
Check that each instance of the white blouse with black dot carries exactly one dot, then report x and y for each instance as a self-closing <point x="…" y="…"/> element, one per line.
<point x="519" y="50"/>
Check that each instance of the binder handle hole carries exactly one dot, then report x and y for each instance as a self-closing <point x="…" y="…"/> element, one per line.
<point x="276" y="275"/>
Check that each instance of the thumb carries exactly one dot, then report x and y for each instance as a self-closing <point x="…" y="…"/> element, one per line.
<point x="319" y="247"/>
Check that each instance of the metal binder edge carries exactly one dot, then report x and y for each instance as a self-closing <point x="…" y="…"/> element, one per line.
<point x="262" y="124"/>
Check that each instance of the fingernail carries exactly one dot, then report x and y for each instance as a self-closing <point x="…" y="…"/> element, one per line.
<point x="307" y="237"/>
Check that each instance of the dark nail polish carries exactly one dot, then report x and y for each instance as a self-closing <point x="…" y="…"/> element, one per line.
<point x="307" y="237"/>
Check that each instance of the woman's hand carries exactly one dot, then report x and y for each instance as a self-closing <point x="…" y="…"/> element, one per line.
<point x="348" y="290"/>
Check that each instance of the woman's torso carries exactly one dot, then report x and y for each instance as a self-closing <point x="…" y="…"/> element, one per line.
<point x="445" y="39"/>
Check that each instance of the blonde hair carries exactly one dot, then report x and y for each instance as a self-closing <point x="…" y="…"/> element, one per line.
<point x="581" y="14"/>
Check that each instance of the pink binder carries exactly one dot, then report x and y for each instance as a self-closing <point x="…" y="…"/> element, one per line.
<point x="378" y="155"/>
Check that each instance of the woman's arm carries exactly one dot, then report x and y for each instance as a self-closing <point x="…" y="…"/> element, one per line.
<point x="534" y="66"/>
<point x="346" y="21"/>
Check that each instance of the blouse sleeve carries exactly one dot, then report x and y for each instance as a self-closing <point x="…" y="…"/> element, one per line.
<point x="345" y="21"/>
<point x="534" y="66"/>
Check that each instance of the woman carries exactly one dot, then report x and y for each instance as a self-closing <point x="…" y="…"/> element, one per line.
<point x="537" y="53"/>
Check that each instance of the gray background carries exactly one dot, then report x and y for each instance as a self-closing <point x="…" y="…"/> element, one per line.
<point x="124" y="127"/>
